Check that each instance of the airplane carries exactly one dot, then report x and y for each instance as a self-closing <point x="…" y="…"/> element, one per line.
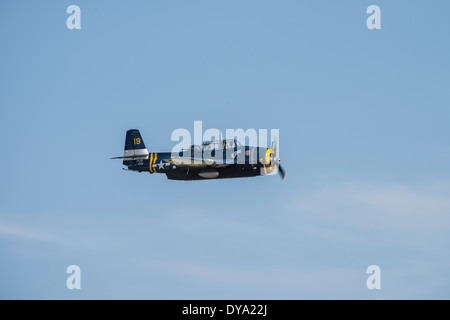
<point x="218" y="159"/>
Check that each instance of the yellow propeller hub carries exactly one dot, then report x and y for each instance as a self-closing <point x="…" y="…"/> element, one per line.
<point x="268" y="154"/>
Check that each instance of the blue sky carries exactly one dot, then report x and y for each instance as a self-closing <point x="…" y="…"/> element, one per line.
<point x="363" y="118"/>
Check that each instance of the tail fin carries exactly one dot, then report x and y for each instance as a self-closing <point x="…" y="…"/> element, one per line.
<point x="134" y="147"/>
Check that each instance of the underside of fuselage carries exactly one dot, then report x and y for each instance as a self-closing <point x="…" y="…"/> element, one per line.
<point x="232" y="171"/>
<point x="198" y="172"/>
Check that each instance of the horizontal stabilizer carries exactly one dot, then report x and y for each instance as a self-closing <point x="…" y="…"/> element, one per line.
<point x="143" y="156"/>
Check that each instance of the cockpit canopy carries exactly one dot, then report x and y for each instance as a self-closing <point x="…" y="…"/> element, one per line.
<point x="215" y="145"/>
<point x="221" y="144"/>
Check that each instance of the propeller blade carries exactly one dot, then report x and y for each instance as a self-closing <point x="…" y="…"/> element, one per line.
<point x="281" y="172"/>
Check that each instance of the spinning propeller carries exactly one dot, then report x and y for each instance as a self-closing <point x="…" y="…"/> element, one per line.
<point x="275" y="160"/>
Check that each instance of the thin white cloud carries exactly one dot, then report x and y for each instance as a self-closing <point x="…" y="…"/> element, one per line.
<point x="8" y="230"/>
<point x="415" y="280"/>
<point x="374" y="213"/>
<point x="39" y="234"/>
